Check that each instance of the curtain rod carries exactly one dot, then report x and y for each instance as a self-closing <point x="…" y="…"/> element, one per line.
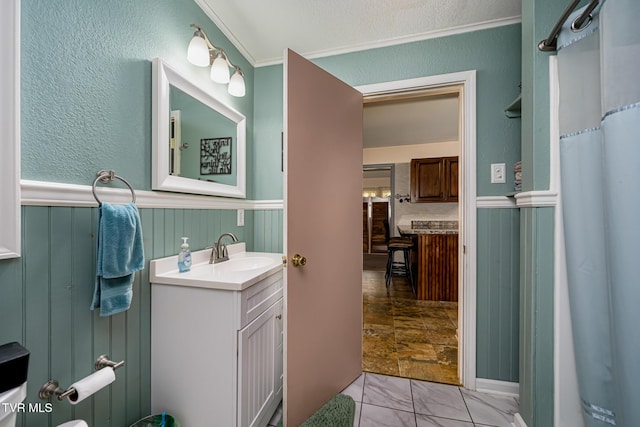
<point x="549" y="44"/>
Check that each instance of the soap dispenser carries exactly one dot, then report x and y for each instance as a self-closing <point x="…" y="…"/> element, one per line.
<point x="184" y="257"/>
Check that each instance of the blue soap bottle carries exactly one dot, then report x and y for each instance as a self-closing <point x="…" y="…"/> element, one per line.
<point x="184" y="257"/>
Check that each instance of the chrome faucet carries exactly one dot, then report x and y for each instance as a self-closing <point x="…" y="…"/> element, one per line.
<point x="219" y="251"/>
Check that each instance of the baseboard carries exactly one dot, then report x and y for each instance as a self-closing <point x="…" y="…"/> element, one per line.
<point x="504" y="388"/>
<point x="518" y="421"/>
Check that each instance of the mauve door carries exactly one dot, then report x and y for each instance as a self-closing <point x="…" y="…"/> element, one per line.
<point x="323" y="222"/>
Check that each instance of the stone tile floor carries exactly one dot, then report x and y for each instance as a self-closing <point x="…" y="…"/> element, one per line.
<point x="405" y="337"/>
<point x="383" y="400"/>
<point x="386" y="401"/>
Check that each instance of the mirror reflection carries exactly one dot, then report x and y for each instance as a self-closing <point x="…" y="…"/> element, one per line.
<point x="199" y="142"/>
<point x="202" y="143"/>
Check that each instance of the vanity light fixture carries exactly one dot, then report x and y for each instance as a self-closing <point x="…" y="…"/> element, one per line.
<point x="203" y="53"/>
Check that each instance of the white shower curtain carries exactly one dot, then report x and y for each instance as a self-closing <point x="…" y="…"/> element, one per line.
<point x="599" y="74"/>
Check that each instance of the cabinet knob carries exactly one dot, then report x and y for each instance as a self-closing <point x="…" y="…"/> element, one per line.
<point x="279" y="316"/>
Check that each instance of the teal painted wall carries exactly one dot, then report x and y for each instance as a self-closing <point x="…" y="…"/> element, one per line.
<point x="267" y="134"/>
<point x="537" y="223"/>
<point x="268" y="230"/>
<point x="86" y="100"/>
<point x="86" y="84"/>
<point x="536" y="317"/>
<point x="45" y="297"/>
<point x="86" y="106"/>
<point x="498" y="294"/>
<point x="494" y="53"/>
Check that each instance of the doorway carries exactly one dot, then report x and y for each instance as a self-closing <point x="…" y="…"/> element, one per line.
<point x="464" y="315"/>
<point x="377" y="208"/>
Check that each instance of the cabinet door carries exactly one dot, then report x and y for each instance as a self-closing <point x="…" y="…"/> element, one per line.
<point x="257" y="366"/>
<point x="438" y="267"/>
<point x="451" y="179"/>
<point x="426" y="180"/>
<point x="279" y="352"/>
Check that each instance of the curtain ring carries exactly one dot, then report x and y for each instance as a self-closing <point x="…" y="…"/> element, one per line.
<point x="574" y="25"/>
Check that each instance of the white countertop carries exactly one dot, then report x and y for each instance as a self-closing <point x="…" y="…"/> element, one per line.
<point x="223" y="276"/>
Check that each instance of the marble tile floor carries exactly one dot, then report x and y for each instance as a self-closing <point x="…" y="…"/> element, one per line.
<point x="405" y="337"/>
<point x="388" y="401"/>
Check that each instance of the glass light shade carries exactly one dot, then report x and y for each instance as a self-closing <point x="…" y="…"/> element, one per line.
<point x="236" y="85"/>
<point x="198" y="52"/>
<point x="220" y="70"/>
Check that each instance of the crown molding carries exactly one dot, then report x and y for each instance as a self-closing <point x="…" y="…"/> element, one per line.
<point x="226" y="31"/>
<point x="40" y="193"/>
<point x="397" y="41"/>
<point x="256" y="63"/>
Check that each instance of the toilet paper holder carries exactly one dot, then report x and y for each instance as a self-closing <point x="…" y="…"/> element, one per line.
<point x="52" y="387"/>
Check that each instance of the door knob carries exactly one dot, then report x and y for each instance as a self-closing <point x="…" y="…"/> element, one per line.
<point x="298" y="260"/>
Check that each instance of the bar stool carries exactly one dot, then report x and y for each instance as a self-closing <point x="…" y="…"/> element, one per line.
<point x="405" y="245"/>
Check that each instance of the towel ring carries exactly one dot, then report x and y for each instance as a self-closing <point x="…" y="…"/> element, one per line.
<point x="106" y="176"/>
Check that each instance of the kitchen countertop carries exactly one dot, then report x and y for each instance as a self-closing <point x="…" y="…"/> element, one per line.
<point x="404" y="229"/>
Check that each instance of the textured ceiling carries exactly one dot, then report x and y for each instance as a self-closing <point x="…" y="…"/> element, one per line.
<point x="411" y="121"/>
<point x="261" y="29"/>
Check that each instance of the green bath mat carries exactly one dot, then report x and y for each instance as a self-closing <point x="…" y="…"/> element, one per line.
<point x="338" y="412"/>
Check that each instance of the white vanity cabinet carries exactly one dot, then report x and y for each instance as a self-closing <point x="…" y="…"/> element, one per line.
<point x="260" y="367"/>
<point x="216" y="354"/>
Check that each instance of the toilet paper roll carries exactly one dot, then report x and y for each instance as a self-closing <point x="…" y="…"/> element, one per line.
<point x="89" y="385"/>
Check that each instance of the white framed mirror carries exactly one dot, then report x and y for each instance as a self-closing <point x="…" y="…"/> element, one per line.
<point x="10" y="125"/>
<point x="199" y="143"/>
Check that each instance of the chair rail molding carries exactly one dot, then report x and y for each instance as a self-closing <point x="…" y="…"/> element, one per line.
<point x="40" y="193"/>
<point x="496" y="202"/>
<point x="537" y="199"/>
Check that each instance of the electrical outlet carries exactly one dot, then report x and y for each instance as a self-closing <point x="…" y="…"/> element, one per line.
<point x="240" y="217"/>
<point x="498" y="173"/>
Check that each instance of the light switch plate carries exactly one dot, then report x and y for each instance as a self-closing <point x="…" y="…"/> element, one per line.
<point x="498" y="173"/>
<point x="240" y="217"/>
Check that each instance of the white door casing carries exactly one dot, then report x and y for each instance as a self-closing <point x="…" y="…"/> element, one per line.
<point x="466" y="81"/>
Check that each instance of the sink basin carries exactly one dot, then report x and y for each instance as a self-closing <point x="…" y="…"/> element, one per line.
<point x="244" y="263"/>
<point x="242" y="270"/>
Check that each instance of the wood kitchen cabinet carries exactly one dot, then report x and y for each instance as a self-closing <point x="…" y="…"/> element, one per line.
<point x="437" y="267"/>
<point x="434" y="180"/>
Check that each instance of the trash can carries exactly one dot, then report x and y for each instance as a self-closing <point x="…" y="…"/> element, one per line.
<point x="159" y="420"/>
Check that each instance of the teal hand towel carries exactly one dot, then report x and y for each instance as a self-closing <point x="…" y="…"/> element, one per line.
<point x="120" y="254"/>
